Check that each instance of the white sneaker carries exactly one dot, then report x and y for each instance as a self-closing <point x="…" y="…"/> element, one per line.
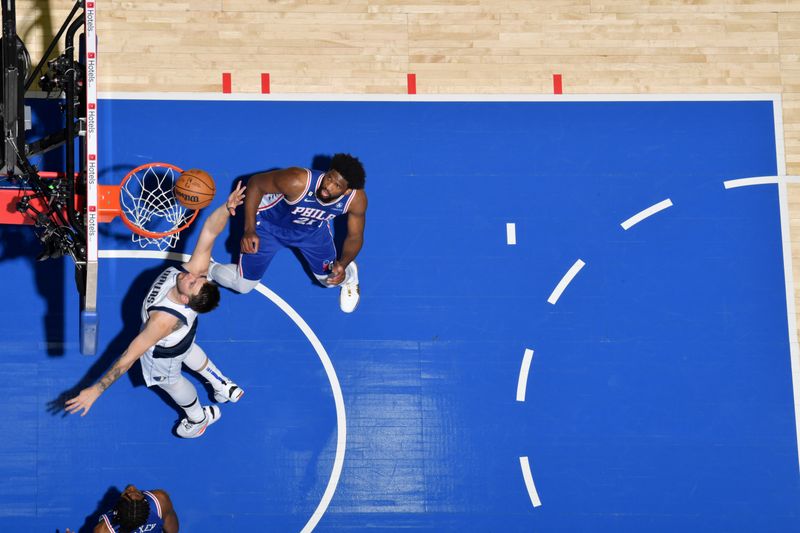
<point x="350" y="294"/>
<point x="230" y="392"/>
<point x="191" y="430"/>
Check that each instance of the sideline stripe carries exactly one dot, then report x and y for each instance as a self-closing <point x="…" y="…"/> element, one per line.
<point x="571" y="273"/>
<point x="523" y="374"/>
<point x="650" y="211"/>
<point x="788" y="273"/>
<point x="455" y="97"/>
<point x="341" y="417"/>
<point x="526" y="474"/>
<point x="791" y="311"/>
<point x="511" y="233"/>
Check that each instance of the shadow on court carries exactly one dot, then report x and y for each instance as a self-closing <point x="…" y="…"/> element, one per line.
<point x="21" y="242"/>
<point x="106" y="503"/>
<point x="130" y="311"/>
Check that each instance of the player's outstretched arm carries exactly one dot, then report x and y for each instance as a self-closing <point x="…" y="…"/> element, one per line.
<point x="356" y="221"/>
<point x="290" y="182"/>
<point x="213" y="226"/>
<point x="158" y="326"/>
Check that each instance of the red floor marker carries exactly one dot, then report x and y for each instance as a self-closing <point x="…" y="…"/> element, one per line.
<point x="557" y="89"/>
<point x="412" y="84"/>
<point x="265" y="83"/>
<point x="226" y="82"/>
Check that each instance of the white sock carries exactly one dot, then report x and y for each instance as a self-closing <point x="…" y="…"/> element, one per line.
<point x="198" y="361"/>
<point x="213" y="375"/>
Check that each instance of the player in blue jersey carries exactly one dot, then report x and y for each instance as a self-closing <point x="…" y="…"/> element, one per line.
<point x="166" y="340"/>
<point x="294" y="207"/>
<point x="140" y="511"/>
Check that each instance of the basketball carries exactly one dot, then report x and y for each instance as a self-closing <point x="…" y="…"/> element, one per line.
<point x="195" y="189"/>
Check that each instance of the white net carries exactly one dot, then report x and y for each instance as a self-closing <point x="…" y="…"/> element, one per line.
<point x="148" y="202"/>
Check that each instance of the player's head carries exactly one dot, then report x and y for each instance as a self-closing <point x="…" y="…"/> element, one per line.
<point x="351" y="169"/>
<point x="197" y="292"/>
<point x="131" y="510"/>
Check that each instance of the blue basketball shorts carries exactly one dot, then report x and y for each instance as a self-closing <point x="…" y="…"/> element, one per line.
<point x="316" y="247"/>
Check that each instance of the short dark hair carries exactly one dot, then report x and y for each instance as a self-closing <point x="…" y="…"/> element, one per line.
<point x="351" y="170"/>
<point x="207" y="299"/>
<point x="130" y="514"/>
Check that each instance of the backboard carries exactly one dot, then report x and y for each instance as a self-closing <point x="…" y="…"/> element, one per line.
<point x="60" y="203"/>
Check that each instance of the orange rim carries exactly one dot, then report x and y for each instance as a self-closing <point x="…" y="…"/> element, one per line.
<point x="110" y="205"/>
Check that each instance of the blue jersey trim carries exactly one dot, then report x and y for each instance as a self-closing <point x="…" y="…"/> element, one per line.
<point x="169" y="310"/>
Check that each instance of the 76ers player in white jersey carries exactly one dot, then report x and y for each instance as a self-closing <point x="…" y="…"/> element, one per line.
<point x="294" y="207"/>
<point x="166" y="341"/>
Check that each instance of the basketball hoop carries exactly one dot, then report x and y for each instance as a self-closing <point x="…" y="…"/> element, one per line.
<point x="145" y="202"/>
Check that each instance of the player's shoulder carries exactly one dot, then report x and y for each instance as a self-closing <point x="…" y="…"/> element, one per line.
<point x="290" y="181"/>
<point x="164" y="318"/>
<point x="162" y="497"/>
<point x="359" y="203"/>
<point x="101" y="527"/>
<point x="295" y="175"/>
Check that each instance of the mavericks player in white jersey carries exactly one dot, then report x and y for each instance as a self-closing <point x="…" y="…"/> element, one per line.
<point x="166" y="341"/>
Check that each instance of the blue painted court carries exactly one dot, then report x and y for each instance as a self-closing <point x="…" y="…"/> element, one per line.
<point x="659" y="396"/>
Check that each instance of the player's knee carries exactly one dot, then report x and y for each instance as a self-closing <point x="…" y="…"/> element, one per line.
<point x="243" y="286"/>
<point x="229" y="277"/>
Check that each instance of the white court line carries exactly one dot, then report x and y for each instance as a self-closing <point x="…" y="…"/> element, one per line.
<point x="526" y="474"/>
<point x="791" y="312"/>
<point x="788" y="273"/>
<point x="523" y="375"/>
<point x="760" y="180"/>
<point x="650" y="211"/>
<point x="395" y="97"/>
<point x="341" y="422"/>
<point x="511" y="233"/>
<point x="786" y="249"/>
<point x="143" y="254"/>
<point x="746" y="182"/>
<point x="341" y="418"/>
<point x="571" y="273"/>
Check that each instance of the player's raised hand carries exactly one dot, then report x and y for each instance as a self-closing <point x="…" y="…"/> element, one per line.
<point x="83" y="401"/>
<point x="236" y="198"/>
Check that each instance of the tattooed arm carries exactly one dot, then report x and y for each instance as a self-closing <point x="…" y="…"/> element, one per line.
<point x="157" y="327"/>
